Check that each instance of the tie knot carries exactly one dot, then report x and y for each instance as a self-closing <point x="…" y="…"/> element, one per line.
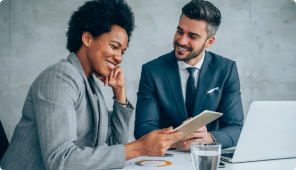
<point x="191" y="70"/>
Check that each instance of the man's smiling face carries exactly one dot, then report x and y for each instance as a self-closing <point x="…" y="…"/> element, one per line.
<point x="190" y="38"/>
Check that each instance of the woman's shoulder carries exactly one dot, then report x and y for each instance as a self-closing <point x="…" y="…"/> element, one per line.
<point x="61" y="72"/>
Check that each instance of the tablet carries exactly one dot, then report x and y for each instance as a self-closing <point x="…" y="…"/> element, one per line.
<point x="197" y="122"/>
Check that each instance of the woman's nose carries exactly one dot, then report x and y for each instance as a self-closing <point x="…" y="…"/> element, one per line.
<point x="118" y="57"/>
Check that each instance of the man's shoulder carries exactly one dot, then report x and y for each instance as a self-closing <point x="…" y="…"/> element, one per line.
<point x="221" y="61"/>
<point x="219" y="58"/>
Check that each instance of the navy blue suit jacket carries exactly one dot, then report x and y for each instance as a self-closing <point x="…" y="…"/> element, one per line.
<point x="160" y="102"/>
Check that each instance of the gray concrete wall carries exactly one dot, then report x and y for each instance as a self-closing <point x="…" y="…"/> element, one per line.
<point x="258" y="34"/>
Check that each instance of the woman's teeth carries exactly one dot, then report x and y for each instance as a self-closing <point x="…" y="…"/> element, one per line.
<point x="111" y="65"/>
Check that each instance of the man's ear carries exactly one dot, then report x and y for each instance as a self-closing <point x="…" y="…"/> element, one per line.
<point x="86" y="38"/>
<point x="210" y="42"/>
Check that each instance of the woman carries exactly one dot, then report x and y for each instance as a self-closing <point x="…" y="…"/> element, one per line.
<point x="65" y="123"/>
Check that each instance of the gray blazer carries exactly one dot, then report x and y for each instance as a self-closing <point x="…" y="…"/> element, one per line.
<point x="65" y="126"/>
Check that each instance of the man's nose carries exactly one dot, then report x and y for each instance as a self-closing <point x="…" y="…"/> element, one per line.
<point x="183" y="40"/>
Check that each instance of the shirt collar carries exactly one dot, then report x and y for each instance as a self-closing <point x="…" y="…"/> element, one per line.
<point x="182" y="65"/>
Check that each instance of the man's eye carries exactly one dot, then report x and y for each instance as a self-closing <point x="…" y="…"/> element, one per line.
<point x="193" y="37"/>
<point x="179" y="31"/>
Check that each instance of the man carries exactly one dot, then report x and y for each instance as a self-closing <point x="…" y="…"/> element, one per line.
<point x="189" y="80"/>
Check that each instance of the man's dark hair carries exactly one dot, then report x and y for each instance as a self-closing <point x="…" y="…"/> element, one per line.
<point x="97" y="17"/>
<point x="204" y="10"/>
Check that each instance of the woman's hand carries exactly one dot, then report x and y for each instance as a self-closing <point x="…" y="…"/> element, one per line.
<point x="155" y="143"/>
<point x="116" y="81"/>
<point x="115" y="78"/>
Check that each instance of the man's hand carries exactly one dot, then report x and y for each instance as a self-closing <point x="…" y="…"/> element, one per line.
<point x="154" y="144"/>
<point x="201" y="135"/>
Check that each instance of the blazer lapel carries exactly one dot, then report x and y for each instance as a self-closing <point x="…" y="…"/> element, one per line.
<point x="103" y="113"/>
<point x="173" y="75"/>
<point x="204" y="78"/>
<point x="73" y="59"/>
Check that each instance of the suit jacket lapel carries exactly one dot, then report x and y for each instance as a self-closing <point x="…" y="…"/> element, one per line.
<point x="73" y="59"/>
<point x="173" y="75"/>
<point x="103" y="113"/>
<point x="204" y="78"/>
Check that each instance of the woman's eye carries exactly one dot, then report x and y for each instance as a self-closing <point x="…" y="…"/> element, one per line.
<point x="113" y="47"/>
<point x="179" y="32"/>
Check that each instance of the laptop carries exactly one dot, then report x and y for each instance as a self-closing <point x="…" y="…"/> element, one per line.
<point x="269" y="132"/>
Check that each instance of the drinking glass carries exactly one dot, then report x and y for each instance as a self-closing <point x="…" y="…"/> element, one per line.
<point x="205" y="156"/>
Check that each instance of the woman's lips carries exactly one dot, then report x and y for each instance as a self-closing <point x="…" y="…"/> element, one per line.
<point x="110" y="65"/>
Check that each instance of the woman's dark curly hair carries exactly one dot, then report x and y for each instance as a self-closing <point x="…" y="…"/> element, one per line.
<point x="97" y="17"/>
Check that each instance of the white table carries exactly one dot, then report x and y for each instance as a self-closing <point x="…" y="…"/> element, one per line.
<point x="182" y="161"/>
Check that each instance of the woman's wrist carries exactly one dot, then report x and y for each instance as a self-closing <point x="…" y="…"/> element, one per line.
<point x="119" y="94"/>
<point x="132" y="150"/>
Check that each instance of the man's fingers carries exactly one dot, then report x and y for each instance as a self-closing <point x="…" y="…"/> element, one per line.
<point x="189" y="136"/>
<point x="195" y="135"/>
<point x="187" y="143"/>
<point x="174" y="145"/>
<point x="202" y="129"/>
<point x="186" y="120"/>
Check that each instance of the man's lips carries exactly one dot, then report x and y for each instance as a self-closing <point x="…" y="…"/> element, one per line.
<point x="182" y="48"/>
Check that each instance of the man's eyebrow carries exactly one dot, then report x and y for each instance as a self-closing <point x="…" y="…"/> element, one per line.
<point x="191" y="33"/>
<point x="116" y="42"/>
<point x="195" y="34"/>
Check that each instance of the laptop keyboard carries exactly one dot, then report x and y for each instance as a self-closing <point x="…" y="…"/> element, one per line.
<point x="229" y="155"/>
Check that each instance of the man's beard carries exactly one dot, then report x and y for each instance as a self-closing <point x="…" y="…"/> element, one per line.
<point x="191" y="55"/>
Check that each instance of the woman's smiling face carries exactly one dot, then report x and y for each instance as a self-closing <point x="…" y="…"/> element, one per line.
<point x="105" y="52"/>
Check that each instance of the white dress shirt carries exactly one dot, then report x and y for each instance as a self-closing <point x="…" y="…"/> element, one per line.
<point x="184" y="74"/>
<point x="184" y="77"/>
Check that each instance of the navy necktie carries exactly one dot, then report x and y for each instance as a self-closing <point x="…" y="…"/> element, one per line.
<point x="190" y="91"/>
